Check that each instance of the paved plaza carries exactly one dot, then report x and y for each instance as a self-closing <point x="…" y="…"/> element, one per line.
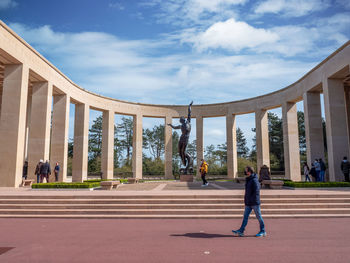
<point x="288" y="240"/>
<point x="172" y="240"/>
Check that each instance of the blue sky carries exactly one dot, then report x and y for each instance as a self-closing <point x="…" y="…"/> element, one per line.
<point x="175" y="51"/>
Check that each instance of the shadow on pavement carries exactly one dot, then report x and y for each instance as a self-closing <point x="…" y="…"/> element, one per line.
<point x="206" y="235"/>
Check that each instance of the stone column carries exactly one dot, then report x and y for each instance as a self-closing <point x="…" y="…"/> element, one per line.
<point x="291" y="141"/>
<point x="313" y="126"/>
<point x="39" y="127"/>
<point x="336" y="126"/>
<point x="199" y="142"/>
<point x="231" y="146"/>
<point x="262" y="139"/>
<point x="168" y="145"/>
<point x="81" y="143"/>
<point x="107" y="158"/>
<point x="347" y="107"/>
<point x="28" y="115"/>
<point x="59" y="135"/>
<point x="12" y="124"/>
<point x="137" y="147"/>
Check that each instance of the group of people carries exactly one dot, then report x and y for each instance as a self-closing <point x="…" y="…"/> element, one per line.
<point x="42" y="170"/>
<point x="317" y="171"/>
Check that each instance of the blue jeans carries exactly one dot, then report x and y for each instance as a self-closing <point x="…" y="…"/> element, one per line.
<point x="247" y="211"/>
<point x="38" y="178"/>
<point x="322" y="176"/>
<point x="317" y="176"/>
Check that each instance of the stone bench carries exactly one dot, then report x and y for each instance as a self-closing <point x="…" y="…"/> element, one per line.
<point x="108" y="185"/>
<point x="240" y="179"/>
<point x="27" y="183"/>
<point x="133" y="180"/>
<point x="273" y="184"/>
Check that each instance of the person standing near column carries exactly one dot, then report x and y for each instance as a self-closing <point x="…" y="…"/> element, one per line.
<point x="318" y="170"/>
<point x="345" y="167"/>
<point x="252" y="202"/>
<point x="204" y="169"/>
<point x="25" y="170"/>
<point x="37" y="171"/>
<point x="57" y="171"/>
<point x="323" y="169"/>
<point x="45" y="171"/>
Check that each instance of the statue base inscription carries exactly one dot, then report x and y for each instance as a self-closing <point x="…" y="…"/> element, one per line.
<point x="186" y="178"/>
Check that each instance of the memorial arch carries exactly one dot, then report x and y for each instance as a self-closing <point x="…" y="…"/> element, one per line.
<point x="30" y="85"/>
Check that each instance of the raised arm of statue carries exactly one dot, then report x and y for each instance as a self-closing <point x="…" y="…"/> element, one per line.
<point x="174" y="127"/>
<point x="189" y="112"/>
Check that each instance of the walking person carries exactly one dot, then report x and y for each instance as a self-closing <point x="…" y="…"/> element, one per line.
<point x="37" y="171"/>
<point x="345" y="167"/>
<point x="252" y="202"/>
<point x="56" y="171"/>
<point x="318" y="170"/>
<point x="45" y="171"/>
<point x="323" y="169"/>
<point x="306" y="172"/>
<point x="204" y="170"/>
<point x="264" y="174"/>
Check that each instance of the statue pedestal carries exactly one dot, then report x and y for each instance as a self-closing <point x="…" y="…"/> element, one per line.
<point x="186" y="178"/>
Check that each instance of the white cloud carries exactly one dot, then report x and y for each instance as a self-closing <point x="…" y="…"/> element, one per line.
<point x="233" y="35"/>
<point x="116" y="5"/>
<point x="194" y="12"/>
<point x="6" y="4"/>
<point x="291" y="8"/>
<point x="139" y="71"/>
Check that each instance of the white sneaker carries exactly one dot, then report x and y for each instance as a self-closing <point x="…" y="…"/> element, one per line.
<point x="207" y="184"/>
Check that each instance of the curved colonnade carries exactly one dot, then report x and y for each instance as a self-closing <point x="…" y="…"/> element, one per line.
<point x="30" y="85"/>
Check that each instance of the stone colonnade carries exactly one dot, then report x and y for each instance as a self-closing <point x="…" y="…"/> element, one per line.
<point x="35" y="101"/>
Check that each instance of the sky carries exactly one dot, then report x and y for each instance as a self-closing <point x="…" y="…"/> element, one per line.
<point x="175" y="51"/>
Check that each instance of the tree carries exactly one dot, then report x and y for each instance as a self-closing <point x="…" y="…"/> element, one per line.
<point x="301" y="130"/>
<point x="125" y="136"/>
<point x="276" y="138"/>
<point x="154" y="140"/>
<point x="221" y="154"/>
<point x="95" y="138"/>
<point x="242" y="149"/>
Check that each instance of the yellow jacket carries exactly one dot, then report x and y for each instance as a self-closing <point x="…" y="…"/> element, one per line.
<point x="204" y="167"/>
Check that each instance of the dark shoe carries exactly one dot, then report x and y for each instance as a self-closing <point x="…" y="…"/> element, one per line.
<point x="261" y="234"/>
<point x="238" y="233"/>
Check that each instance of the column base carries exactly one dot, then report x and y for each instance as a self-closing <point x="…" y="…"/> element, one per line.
<point x="186" y="178"/>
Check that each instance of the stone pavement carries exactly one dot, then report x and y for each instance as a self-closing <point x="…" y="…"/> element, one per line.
<point x="103" y="240"/>
<point x="172" y="188"/>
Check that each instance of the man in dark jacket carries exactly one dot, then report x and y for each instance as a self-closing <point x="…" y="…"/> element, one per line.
<point x="45" y="171"/>
<point x="345" y="167"/>
<point x="252" y="202"/>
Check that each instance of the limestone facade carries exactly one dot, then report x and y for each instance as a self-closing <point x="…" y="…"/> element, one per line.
<point x="31" y="87"/>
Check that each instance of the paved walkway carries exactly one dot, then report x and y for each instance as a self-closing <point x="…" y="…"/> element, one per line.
<point x="289" y="240"/>
<point x="171" y="188"/>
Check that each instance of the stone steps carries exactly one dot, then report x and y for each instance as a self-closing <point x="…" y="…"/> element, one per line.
<point x="174" y="211"/>
<point x="111" y="205"/>
<point x="37" y="195"/>
<point x="272" y="216"/>
<point x="168" y="206"/>
<point x="170" y="201"/>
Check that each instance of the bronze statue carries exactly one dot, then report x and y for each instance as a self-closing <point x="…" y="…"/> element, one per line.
<point x="186" y="130"/>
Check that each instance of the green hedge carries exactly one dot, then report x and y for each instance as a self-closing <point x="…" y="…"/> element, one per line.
<point x="67" y="185"/>
<point x="315" y="184"/>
